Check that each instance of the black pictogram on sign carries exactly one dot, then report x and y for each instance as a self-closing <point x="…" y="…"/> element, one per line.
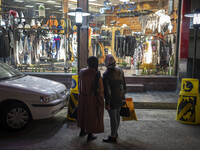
<point x="186" y="108"/>
<point x="187" y="86"/>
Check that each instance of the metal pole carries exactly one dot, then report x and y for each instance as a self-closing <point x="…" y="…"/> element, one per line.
<point x="178" y="39"/>
<point x="78" y="50"/>
<point x="195" y="47"/>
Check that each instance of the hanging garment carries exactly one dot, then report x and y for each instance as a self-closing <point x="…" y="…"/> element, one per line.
<point x="52" y="22"/>
<point x="154" y="53"/>
<point x="121" y="46"/>
<point x="117" y="33"/>
<point x="102" y="57"/>
<point x="17" y="53"/>
<point x="21" y="49"/>
<point x="4" y="43"/>
<point x="143" y="21"/>
<point x="130" y="45"/>
<point x="63" y="25"/>
<point x="93" y="47"/>
<point x="162" y="54"/>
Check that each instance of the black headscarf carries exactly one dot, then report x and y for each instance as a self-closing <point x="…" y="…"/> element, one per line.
<point x="93" y="63"/>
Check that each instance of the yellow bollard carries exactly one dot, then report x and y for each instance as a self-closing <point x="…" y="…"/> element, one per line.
<point x="73" y="101"/>
<point x="188" y="108"/>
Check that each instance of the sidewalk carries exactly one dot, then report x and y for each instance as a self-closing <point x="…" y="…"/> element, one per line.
<point x="154" y="99"/>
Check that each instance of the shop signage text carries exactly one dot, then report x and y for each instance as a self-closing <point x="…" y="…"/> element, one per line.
<point x="108" y="6"/>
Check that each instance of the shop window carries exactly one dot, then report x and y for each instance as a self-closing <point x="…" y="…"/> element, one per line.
<point x="141" y="36"/>
<point x="37" y="37"/>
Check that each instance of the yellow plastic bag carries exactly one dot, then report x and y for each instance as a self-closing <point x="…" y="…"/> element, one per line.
<point x="130" y="105"/>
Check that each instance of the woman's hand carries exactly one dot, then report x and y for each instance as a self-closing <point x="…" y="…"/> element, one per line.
<point x="108" y="107"/>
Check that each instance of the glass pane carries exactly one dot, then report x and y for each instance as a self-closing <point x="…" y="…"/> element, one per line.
<point x="140" y="35"/>
<point x="38" y="36"/>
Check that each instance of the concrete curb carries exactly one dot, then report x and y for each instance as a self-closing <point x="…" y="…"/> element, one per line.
<point x="154" y="105"/>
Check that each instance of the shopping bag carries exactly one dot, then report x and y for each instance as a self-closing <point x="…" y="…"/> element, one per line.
<point x="130" y="105"/>
<point x="125" y="112"/>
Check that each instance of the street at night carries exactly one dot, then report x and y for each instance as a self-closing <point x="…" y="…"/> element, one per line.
<point x="155" y="129"/>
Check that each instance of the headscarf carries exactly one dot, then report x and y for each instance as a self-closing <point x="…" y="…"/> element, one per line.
<point x="92" y="62"/>
<point x="110" y="61"/>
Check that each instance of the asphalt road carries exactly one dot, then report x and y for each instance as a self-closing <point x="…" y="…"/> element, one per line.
<point x="154" y="130"/>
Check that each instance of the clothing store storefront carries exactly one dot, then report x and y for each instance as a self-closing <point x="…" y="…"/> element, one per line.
<point x="40" y="39"/>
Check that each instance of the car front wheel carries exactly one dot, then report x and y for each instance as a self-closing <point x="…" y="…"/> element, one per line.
<point x="16" y="116"/>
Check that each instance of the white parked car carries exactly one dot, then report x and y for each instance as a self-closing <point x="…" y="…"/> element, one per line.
<point x="24" y="97"/>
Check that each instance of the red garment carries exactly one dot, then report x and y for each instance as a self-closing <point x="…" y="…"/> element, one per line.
<point x="90" y="107"/>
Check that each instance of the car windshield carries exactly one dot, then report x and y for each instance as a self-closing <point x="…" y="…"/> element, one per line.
<point x="7" y="72"/>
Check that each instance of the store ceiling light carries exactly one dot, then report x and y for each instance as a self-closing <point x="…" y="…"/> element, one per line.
<point x="19" y="1"/>
<point x="57" y="6"/>
<point x="39" y="3"/>
<point x="49" y="1"/>
<point x="96" y="4"/>
<point x="47" y="8"/>
<point x="92" y="0"/>
<point x="29" y="6"/>
<point x="124" y="0"/>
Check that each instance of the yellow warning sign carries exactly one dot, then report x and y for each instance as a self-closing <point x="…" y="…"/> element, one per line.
<point x="190" y="85"/>
<point x="186" y="108"/>
<point x="73" y="102"/>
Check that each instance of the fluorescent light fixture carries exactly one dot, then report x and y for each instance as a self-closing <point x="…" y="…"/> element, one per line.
<point x="19" y="1"/>
<point x="39" y="3"/>
<point x="96" y="4"/>
<point x="92" y="0"/>
<point x="47" y="8"/>
<point x="36" y="10"/>
<point x="49" y="1"/>
<point x="58" y="6"/>
<point x="29" y="6"/>
<point x="124" y="0"/>
<point x="60" y="10"/>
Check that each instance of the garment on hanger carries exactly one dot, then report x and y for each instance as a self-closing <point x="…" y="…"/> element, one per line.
<point x="117" y="33"/>
<point x="125" y="46"/>
<point x="52" y="22"/>
<point x="4" y="43"/>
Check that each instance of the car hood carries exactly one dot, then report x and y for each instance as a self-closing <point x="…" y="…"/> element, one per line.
<point x="36" y="84"/>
